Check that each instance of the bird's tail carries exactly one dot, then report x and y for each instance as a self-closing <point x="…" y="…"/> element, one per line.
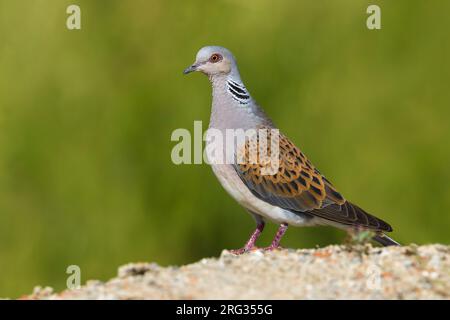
<point x="384" y="240"/>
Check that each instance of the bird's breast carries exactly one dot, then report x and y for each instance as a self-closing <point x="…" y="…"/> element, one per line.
<point x="231" y="182"/>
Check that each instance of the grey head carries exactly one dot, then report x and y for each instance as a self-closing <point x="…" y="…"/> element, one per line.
<point x="214" y="61"/>
<point x="219" y="64"/>
<point x="233" y="105"/>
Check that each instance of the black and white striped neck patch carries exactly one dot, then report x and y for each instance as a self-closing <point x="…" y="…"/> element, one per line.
<point x="238" y="92"/>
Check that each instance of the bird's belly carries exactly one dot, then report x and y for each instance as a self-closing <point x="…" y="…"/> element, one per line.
<point x="238" y="190"/>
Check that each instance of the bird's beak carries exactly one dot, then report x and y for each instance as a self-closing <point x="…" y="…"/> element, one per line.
<point x="190" y="69"/>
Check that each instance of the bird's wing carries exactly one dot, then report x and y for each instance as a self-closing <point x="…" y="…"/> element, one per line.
<point x="299" y="187"/>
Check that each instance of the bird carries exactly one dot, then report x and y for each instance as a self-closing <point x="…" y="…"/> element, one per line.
<point x="297" y="194"/>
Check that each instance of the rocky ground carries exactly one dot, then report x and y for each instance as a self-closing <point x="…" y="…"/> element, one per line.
<point x="333" y="272"/>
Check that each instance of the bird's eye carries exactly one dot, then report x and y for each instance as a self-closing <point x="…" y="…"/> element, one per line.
<point x="215" y="58"/>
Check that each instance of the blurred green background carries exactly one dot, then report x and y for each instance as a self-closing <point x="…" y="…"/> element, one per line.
<point x="86" y="118"/>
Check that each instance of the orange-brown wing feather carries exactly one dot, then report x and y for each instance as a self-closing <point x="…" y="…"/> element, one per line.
<point x="299" y="187"/>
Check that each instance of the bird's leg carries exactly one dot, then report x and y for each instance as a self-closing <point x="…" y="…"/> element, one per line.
<point x="251" y="242"/>
<point x="276" y="241"/>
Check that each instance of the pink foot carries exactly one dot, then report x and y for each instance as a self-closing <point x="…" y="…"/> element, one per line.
<point x="276" y="241"/>
<point x="250" y="245"/>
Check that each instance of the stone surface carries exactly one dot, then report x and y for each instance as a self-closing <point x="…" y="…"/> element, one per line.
<point x="333" y="272"/>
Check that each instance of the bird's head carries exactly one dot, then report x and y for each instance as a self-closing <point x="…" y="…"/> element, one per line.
<point x="213" y="60"/>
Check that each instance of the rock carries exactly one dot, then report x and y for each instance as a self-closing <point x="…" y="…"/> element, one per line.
<point x="333" y="272"/>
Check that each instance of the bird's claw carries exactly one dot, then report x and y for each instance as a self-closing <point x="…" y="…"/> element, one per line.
<point x="272" y="248"/>
<point x="243" y="250"/>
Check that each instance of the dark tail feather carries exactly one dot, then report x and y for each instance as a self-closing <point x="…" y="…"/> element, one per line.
<point x="385" y="240"/>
